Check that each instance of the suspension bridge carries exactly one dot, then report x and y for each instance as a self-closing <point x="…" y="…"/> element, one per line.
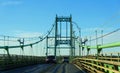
<point x="62" y="40"/>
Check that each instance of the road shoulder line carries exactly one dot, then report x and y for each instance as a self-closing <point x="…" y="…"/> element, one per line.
<point x="79" y="68"/>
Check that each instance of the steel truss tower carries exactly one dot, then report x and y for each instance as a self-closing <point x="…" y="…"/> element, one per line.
<point x="59" y="38"/>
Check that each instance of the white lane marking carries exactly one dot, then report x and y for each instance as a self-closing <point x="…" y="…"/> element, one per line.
<point x="80" y="68"/>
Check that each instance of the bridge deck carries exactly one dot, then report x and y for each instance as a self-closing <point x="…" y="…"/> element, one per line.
<point x="47" y="68"/>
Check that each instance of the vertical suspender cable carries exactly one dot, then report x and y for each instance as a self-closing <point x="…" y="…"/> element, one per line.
<point x="60" y="30"/>
<point x="66" y="30"/>
<point x="90" y="43"/>
<point x="4" y="50"/>
<point x="23" y="48"/>
<point x="102" y="40"/>
<point x="47" y="39"/>
<point x="4" y="44"/>
<point x="96" y="38"/>
<point x="8" y="41"/>
<point x="60" y="35"/>
<point x="101" y="37"/>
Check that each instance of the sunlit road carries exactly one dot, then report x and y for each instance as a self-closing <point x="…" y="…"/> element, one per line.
<point x="65" y="68"/>
<point x="47" y="68"/>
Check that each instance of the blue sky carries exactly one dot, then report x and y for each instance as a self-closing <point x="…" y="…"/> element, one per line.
<point x="39" y="15"/>
<point x="28" y="17"/>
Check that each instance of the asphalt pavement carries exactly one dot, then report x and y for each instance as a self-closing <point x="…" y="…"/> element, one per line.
<point x="47" y="68"/>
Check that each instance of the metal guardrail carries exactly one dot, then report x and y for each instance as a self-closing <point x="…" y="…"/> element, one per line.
<point x="19" y="61"/>
<point x="101" y="65"/>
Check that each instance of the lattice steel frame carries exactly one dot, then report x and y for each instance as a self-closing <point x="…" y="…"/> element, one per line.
<point x="56" y="41"/>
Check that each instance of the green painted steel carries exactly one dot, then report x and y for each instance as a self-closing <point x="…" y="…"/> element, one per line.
<point x="60" y="38"/>
<point x="115" y="44"/>
<point x="30" y="44"/>
<point x="3" y="47"/>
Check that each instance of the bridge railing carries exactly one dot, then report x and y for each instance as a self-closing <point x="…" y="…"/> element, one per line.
<point x="113" y="56"/>
<point x="19" y="61"/>
<point x="107" y="63"/>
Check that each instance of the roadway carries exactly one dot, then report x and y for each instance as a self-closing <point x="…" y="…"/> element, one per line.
<point x="47" y="68"/>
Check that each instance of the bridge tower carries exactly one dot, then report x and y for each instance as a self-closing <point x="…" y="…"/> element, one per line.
<point x="63" y="36"/>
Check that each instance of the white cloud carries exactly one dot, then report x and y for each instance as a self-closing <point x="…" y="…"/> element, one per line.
<point x="27" y="50"/>
<point x="90" y="32"/>
<point x="114" y="37"/>
<point x="26" y="34"/>
<point x="97" y="28"/>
